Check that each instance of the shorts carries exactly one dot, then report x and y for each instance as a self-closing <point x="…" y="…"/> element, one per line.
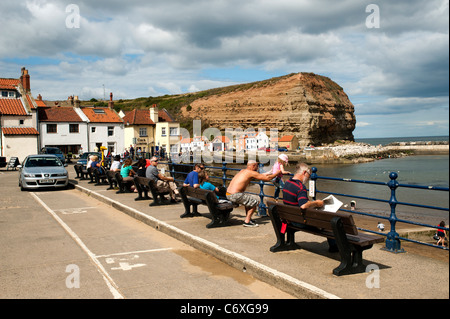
<point x="247" y="200"/>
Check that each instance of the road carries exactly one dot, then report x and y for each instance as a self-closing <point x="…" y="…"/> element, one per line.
<point x="65" y="244"/>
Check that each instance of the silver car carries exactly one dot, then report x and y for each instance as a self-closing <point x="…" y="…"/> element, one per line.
<point x="42" y="171"/>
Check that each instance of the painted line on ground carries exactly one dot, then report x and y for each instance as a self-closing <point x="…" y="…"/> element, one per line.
<point x="113" y="288"/>
<point x="240" y="262"/>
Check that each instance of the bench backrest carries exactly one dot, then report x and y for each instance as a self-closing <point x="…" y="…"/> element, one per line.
<point x="313" y="217"/>
<point x="199" y="193"/>
<point x="142" y="180"/>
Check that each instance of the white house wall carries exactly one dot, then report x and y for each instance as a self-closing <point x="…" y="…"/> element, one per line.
<point x="19" y="146"/>
<point x="100" y="136"/>
<point x="63" y="136"/>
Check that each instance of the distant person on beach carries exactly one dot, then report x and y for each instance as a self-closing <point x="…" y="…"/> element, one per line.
<point x="441" y="234"/>
<point x="192" y="177"/>
<point x="295" y="194"/>
<point x="238" y="185"/>
<point x="380" y="226"/>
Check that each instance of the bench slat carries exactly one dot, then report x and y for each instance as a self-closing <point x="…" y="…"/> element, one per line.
<point x="313" y="217"/>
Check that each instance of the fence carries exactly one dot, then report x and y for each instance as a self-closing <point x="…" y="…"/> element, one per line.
<point x="393" y="239"/>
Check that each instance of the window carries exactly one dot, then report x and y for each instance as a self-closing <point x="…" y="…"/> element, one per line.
<point x="99" y="111"/>
<point x="12" y="94"/>
<point x="110" y="130"/>
<point x="173" y="131"/>
<point x="93" y="129"/>
<point x="163" y="131"/>
<point x="52" y="128"/>
<point x="73" y="128"/>
<point x="142" y="131"/>
<point x="4" y="93"/>
<point x="21" y="122"/>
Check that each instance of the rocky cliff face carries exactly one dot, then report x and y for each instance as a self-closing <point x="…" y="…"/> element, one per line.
<point x="309" y="106"/>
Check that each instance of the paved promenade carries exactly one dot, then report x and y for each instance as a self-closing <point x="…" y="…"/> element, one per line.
<point x="304" y="273"/>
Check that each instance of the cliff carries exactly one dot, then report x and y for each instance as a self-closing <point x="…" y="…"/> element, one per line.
<point x="309" y="106"/>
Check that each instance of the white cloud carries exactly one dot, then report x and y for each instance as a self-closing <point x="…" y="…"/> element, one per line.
<point x="143" y="48"/>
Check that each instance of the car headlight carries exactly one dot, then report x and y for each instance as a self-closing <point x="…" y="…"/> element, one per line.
<point x="29" y="175"/>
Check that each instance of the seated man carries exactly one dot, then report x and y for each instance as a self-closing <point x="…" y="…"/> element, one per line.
<point x="295" y="194"/>
<point x="163" y="183"/>
<point x="192" y="177"/>
<point x="238" y="185"/>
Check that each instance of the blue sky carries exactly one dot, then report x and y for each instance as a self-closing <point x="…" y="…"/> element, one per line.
<point x="391" y="57"/>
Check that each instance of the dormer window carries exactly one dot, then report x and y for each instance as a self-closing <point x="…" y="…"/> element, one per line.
<point x="8" y="94"/>
<point x="99" y="111"/>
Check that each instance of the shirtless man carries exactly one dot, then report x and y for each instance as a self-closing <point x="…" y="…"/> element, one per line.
<point x="238" y="185"/>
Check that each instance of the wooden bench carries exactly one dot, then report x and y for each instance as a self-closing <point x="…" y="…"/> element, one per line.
<point x="337" y="226"/>
<point x="142" y="186"/>
<point x="111" y="177"/>
<point x="81" y="172"/>
<point x="158" y="197"/>
<point x="100" y="178"/>
<point x="220" y="212"/>
<point x="124" y="187"/>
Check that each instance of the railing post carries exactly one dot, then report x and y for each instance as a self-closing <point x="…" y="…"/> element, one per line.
<point x="393" y="244"/>
<point x="312" y="183"/>
<point x="262" y="208"/>
<point x="224" y="175"/>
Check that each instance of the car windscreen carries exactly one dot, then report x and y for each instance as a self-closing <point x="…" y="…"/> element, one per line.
<point x="53" y="151"/>
<point x="42" y="162"/>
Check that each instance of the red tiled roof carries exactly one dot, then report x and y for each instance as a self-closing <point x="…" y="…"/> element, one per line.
<point x="9" y="84"/>
<point x="58" y="114"/>
<point x="30" y="101"/>
<point x="286" y="138"/>
<point x="19" y="131"/>
<point x="164" y="116"/>
<point x="12" y="107"/>
<point x="138" y="117"/>
<point x="109" y="116"/>
<point x="40" y="103"/>
<point x="223" y="139"/>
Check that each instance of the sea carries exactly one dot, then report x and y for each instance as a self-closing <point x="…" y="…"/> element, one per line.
<point x="424" y="170"/>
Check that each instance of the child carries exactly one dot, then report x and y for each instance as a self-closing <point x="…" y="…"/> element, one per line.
<point x="441" y="234"/>
<point x="204" y="184"/>
<point x="278" y="180"/>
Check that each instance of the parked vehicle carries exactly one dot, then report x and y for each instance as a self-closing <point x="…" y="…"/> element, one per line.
<point x="42" y="171"/>
<point x="55" y="151"/>
<point x="282" y="149"/>
<point x="84" y="158"/>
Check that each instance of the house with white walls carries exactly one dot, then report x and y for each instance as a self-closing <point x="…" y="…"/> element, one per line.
<point x="104" y="128"/>
<point x="19" y="135"/>
<point x="64" y="128"/>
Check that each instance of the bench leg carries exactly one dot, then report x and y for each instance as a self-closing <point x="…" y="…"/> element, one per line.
<point x="187" y="212"/>
<point x="351" y="255"/>
<point x="219" y="219"/>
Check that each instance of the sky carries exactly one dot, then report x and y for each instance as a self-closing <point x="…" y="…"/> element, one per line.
<point x="390" y="57"/>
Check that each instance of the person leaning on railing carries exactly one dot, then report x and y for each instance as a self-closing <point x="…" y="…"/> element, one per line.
<point x="238" y="185"/>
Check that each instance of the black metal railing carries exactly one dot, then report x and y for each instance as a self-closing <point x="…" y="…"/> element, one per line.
<point x="393" y="239"/>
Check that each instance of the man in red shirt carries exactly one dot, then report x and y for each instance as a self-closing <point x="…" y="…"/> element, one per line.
<point x="295" y="194"/>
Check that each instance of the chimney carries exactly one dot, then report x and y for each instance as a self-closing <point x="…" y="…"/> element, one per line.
<point x="111" y="102"/>
<point x="154" y="113"/>
<point x="25" y="80"/>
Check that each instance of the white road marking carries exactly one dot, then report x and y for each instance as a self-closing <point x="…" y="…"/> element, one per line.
<point x="135" y="252"/>
<point x="113" y="288"/>
<point x="70" y="211"/>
